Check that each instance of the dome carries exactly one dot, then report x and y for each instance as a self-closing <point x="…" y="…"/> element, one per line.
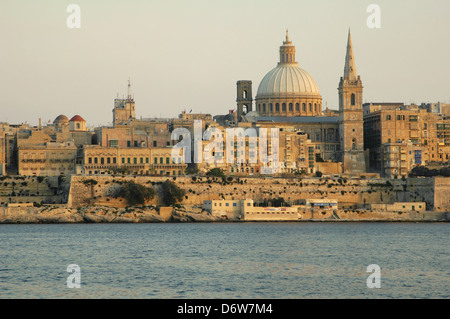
<point x="287" y="79"/>
<point x="288" y="90"/>
<point x="61" y="119"/>
<point x="77" y="118"/>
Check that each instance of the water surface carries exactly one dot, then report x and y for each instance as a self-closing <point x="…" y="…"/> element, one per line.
<point x="225" y="260"/>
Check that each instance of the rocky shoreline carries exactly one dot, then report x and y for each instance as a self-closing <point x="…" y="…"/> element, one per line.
<point x="52" y="215"/>
<point x="59" y="214"/>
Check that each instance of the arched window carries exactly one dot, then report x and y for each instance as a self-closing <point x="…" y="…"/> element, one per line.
<point x="304" y="107"/>
<point x="271" y="107"/>
<point x="277" y="107"/>
<point x="264" y="107"/>
<point x="244" y="94"/>
<point x="310" y="107"/>
<point x="78" y="126"/>
<point x="283" y="107"/>
<point x="297" y="107"/>
<point x="291" y="107"/>
<point x="315" y="108"/>
<point x="354" y="144"/>
<point x="353" y="99"/>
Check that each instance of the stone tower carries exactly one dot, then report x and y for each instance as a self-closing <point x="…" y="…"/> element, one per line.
<point x="351" y="116"/>
<point x="124" y="109"/>
<point x="244" y="97"/>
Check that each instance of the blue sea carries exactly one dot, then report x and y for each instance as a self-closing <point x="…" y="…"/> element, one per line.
<point x="225" y="260"/>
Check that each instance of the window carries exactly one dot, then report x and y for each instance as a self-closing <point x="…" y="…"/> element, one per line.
<point x="310" y="107"/>
<point x="114" y="143"/>
<point x="353" y="102"/>
<point x="90" y="160"/>
<point x="167" y="160"/>
<point x="95" y="160"/>
<point x="234" y="204"/>
<point x="297" y="107"/>
<point x="156" y="160"/>
<point x="354" y="144"/>
<point x="277" y="107"/>
<point x="154" y="143"/>
<point x="123" y="160"/>
<point x="161" y="160"/>
<point x="114" y="160"/>
<point x="291" y="107"/>
<point x="304" y="107"/>
<point x="283" y="107"/>
<point x="388" y="117"/>
<point x="128" y="143"/>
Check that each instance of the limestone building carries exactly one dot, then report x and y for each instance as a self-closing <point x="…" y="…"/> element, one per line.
<point x="414" y="130"/>
<point x="99" y="160"/>
<point x="289" y="96"/>
<point x="124" y="109"/>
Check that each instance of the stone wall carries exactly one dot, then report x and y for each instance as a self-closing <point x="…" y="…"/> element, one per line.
<point x="350" y="193"/>
<point x="33" y="189"/>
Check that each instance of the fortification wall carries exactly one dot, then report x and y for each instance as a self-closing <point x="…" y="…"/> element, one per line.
<point x="350" y="193"/>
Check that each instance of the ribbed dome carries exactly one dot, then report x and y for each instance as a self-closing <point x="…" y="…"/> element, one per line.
<point x="287" y="79"/>
<point x="61" y="119"/>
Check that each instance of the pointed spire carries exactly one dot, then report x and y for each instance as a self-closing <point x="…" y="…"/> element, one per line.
<point x="349" y="69"/>
<point x="287" y="36"/>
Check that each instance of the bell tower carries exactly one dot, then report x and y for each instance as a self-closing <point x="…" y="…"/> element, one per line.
<point x="244" y="97"/>
<point x="351" y="116"/>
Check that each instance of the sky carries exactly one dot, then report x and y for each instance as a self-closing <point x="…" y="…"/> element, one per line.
<point x="189" y="54"/>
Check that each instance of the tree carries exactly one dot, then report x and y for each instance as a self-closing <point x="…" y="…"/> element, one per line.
<point x="318" y="174"/>
<point x="218" y="172"/>
<point x="171" y="193"/>
<point x="135" y="194"/>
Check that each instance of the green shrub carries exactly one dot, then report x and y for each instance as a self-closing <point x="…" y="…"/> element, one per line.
<point x="135" y="194"/>
<point x="171" y="193"/>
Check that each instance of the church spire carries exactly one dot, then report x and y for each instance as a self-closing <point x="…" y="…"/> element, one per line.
<point x="350" y="69"/>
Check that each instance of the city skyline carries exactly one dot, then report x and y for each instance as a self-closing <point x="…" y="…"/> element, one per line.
<point x="189" y="55"/>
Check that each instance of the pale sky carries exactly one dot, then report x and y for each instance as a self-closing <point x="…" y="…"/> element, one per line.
<point x="189" y="54"/>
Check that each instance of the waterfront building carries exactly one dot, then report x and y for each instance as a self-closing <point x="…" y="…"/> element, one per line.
<point x="411" y="129"/>
<point x="99" y="160"/>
